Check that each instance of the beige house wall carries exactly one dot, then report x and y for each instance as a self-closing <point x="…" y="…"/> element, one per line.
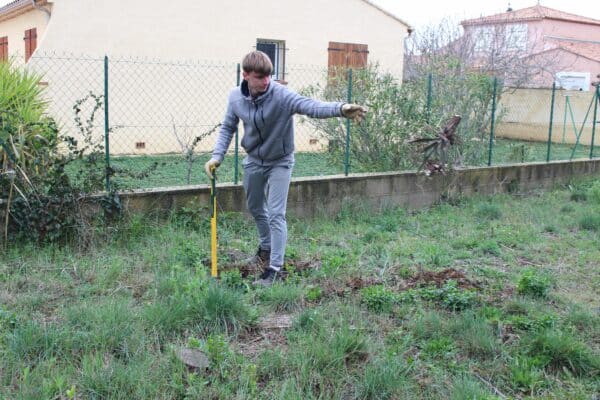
<point x="154" y="103"/>
<point x="223" y="30"/>
<point x="14" y="29"/>
<point x="525" y="115"/>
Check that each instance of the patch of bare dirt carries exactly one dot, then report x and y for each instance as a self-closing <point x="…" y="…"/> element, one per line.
<point x="350" y="285"/>
<point x="269" y="334"/>
<point x="300" y="266"/>
<point x="234" y="259"/>
<point x="439" y="279"/>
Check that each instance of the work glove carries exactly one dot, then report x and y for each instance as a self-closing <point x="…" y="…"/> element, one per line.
<point x="354" y="112"/>
<point x="210" y="166"/>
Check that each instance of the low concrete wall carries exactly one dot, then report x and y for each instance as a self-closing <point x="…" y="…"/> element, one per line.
<point x="311" y="196"/>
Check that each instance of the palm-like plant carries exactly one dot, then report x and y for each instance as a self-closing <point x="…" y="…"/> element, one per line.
<point x="435" y="149"/>
<point x="27" y="136"/>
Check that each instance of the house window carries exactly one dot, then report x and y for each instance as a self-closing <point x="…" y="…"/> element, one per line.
<point x="30" y="42"/>
<point x="483" y="37"/>
<point x="4" y="48"/>
<point x="275" y="49"/>
<point x="515" y="36"/>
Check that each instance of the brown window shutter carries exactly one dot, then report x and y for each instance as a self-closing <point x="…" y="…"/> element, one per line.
<point x="30" y="42"/>
<point x="358" y="56"/>
<point x="346" y="55"/>
<point x="337" y="54"/>
<point x="4" y="48"/>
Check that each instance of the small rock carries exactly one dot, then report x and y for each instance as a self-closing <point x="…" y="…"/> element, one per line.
<point x="282" y="321"/>
<point x="192" y="358"/>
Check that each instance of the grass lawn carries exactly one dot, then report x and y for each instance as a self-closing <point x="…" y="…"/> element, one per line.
<point x="481" y="298"/>
<point x="172" y="170"/>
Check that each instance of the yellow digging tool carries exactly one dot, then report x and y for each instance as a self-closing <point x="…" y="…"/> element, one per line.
<point x="213" y="224"/>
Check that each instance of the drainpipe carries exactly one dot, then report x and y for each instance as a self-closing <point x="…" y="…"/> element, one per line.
<point x="38" y="7"/>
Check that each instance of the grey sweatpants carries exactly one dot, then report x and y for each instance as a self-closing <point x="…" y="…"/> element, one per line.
<point x="266" y="196"/>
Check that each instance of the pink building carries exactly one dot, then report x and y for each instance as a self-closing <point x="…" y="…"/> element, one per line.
<point x="537" y="45"/>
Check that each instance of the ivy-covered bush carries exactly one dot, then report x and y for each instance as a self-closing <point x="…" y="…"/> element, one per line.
<point x="39" y="200"/>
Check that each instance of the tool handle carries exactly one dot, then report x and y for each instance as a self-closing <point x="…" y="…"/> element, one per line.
<point x="213" y="224"/>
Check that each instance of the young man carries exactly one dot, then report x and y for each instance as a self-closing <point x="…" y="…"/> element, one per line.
<point x="266" y="109"/>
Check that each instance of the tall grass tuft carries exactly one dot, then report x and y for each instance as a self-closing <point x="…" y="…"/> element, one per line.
<point x="112" y="327"/>
<point x="282" y="297"/>
<point x="564" y="351"/>
<point x="383" y="379"/>
<point x="590" y="222"/>
<point x="465" y="387"/>
<point x="475" y="335"/>
<point x="224" y="309"/>
<point x="32" y="342"/>
<point x="488" y="211"/>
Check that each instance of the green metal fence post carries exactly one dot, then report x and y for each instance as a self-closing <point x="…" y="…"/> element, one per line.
<point x="429" y="95"/>
<point x="565" y="119"/>
<point x="492" y="122"/>
<point x="596" y="101"/>
<point x="347" y="161"/>
<point x="551" y="121"/>
<point x="106" y="126"/>
<point x="236" y="150"/>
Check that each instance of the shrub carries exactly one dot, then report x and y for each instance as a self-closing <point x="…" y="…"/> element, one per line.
<point x="233" y="279"/>
<point x="378" y="298"/>
<point x="449" y="295"/>
<point x="45" y="175"/>
<point x="379" y="142"/>
<point x="45" y="203"/>
<point x="533" y="283"/>
<point x="490" y="246"/>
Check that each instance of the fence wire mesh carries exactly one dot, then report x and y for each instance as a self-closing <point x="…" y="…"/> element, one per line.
<point x="164" y="116"/>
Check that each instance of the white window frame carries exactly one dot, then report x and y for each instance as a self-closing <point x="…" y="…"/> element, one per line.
<point x="278" y="59"/>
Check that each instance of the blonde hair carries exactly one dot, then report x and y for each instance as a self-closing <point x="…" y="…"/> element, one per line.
<point x="257" y="61"/>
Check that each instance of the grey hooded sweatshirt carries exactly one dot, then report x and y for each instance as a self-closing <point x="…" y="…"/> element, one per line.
<point x="268" y="122"/>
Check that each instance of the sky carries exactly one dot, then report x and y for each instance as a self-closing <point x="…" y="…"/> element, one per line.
<point x="421" y="13"/>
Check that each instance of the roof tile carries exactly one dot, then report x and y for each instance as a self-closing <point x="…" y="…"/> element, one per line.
<point x="537" y="12"/>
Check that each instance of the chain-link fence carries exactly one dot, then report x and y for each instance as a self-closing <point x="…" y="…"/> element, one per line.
<point x="162" y="117"/>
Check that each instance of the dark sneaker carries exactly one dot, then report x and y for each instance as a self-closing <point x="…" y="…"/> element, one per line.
<point x="268" y="277"/>
<point x="260" y="259"/>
